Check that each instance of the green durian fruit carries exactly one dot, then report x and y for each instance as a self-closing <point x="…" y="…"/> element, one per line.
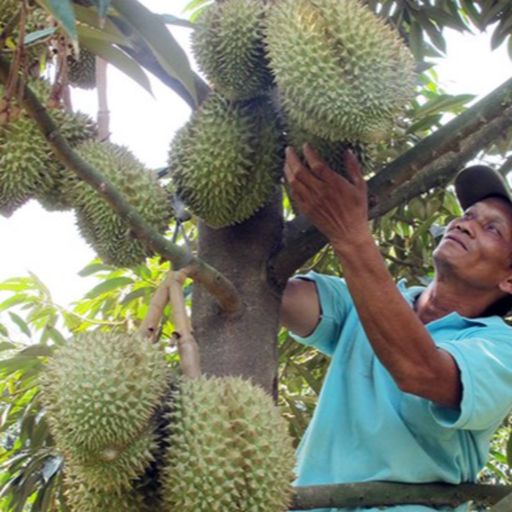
<point x="114" y="468"/>
<point x="82" y="71"/>
<point x="81" y="496"/>
<point x="332" y="152"/>
<point x="227" y="159"/>
<point x="342" y="72"/>
<point x="228" y="45"/>
<point x="24" y="158"/>
<point x="108" y="233"/>
<point x="100" y="390"/>
<point x="28" y="167"/>
<point x="75" y="128"/>
<point x="229" y="450"/>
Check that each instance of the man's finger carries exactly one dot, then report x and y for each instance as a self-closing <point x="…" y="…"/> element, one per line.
<point x="296" y="171"/>
<point x="316" y="164"/>
<point x="353" y="167"/>
<point x="292" y="162"/>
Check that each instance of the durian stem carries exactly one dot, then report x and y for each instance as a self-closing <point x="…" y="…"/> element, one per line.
<point x="150" y="326"/>
<point x="103" y="112"/>
<point x="187" y="345"/>
<point x="217" y="285"/>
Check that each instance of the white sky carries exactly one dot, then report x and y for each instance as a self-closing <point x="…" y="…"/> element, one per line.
<point x="48" y="243"/>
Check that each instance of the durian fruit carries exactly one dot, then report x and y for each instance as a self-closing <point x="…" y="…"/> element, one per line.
<point x="28" y="168"/>
<point x="228" y="45"/>
<point x="114" y="468"/>
<point x="332" y="152"/>
<point x="229" y="450"/>
<point x="342" y="72"/>
<point x="75" y="127"/>
<point x="100" y="390"/>
<point x="226" y="160"/>
<point x="82" y="70"/>
<point x="81" y="496"/>
<point x="108" y="233"/>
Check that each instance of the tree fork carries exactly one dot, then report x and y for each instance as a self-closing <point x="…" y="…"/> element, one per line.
<point x="216" y="284"/>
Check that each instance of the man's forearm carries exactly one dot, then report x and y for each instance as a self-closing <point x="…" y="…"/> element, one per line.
<point x="398" y="337"/>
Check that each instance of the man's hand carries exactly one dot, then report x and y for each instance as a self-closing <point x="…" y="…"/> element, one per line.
<point x="337" y="206"/>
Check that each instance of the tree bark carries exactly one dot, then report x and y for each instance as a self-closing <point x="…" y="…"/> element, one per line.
<point x="242" y="344"/>
<point x="374" y="494"/>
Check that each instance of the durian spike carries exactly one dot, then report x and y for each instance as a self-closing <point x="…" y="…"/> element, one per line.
<point x="150" y="325"/>
<point x="187" y="345"/>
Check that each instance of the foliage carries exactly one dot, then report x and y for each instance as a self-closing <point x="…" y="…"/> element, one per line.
<point x="31" y="477"/>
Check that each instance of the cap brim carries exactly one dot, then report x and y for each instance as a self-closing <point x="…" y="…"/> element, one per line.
<point x="477" y="182"/>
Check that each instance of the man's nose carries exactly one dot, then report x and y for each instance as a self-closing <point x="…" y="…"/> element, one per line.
<point x="466" y="227"/>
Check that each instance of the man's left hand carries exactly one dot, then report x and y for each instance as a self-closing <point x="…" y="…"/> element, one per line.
<point x="336" y="205"/>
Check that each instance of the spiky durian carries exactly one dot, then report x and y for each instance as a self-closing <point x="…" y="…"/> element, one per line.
<point x="114" y="468"/>
<point x="100" y="390"/>
<point x="229" y="450"/>
<point x="82" y="70"/>
<point x="28" y="167"/>
<point x="81" y="496"/>
<point x="100" y="225"/>
<point x="343" y="73"/>
<point x="225" y="162"/>
<point x="331" y="152"/>
<point x="228" y="45"/>
<point x="75" y="128"/>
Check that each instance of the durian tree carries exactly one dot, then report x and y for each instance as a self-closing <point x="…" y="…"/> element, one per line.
<point x="340" y="74"/>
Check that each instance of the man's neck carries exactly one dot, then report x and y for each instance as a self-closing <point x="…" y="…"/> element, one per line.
<point x="441" y="298"/>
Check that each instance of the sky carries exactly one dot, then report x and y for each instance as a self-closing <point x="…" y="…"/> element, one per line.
<point x="48" y="244"/>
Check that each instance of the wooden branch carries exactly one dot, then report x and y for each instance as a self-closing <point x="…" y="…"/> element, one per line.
<point x="103" y="112"/>
<point x="505" y="505"/>
<point x="431" y="163"/>
<point x="151" y="323"/>
<point x="220" y="287"/>
<point x="187" y="345"/>
<point x="374" y="494"/>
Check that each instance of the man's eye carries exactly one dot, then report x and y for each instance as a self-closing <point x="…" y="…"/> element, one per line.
<point x="493" y="228"/>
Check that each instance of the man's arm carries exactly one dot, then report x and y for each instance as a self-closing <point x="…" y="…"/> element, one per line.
<point x="338" y="207"/>
<point x="300" y="307"/>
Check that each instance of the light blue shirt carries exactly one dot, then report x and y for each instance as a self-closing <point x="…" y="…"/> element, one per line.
<point x="365" y="428"/>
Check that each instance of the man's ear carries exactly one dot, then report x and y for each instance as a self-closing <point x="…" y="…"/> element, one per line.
<point x="506" y="284"/>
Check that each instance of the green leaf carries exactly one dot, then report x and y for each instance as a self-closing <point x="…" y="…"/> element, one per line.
<point x="37" y="351"/>
<point x="153" y="30"/>
<point x="137" y="294"/>
<point x="5" y="345"/>
<point x="33" y="37"/>
<point x="92" y="268"/>
<point x="20" y="323"/>
<point x="124" y="63"/>
<point x="169" y="19"/>
<point x="109" y="285"/>
<point x="13" y="301"/>
<point x="87" y="32"/>
<point x="63" y="12"/>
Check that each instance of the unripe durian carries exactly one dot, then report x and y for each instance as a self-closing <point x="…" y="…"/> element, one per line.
<point x="115" y="468"/>
<point x="342" y="72"/>
<point x="28" y="167"/>
<point x="82" y="71"/>
<point x="81" y="496"/>
<point x="228" y="46"/>
<point x="100" y="391"/>
<point x="229" y="450"/>
<point x="108" y="233"/>
<point x="227" y="159"/>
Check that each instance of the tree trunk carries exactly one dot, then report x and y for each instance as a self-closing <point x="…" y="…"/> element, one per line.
<point x="244" y="343"/>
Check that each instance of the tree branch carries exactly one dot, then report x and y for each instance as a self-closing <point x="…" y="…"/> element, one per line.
<point x="221" y="288"/>
<point x="433" y="162"/>
<point x="374" y="494"/>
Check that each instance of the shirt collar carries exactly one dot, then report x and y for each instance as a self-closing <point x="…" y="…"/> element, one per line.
<point x="411" y="293"/>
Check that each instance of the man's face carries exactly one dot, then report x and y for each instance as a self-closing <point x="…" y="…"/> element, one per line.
<point x="477" y="247"/>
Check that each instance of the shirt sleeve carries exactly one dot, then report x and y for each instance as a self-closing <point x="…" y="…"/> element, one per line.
<point x="335" y="304"/>
<point x="485" y="364"/>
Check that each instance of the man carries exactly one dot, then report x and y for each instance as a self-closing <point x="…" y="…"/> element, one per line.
<point x="420" y="378"/>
